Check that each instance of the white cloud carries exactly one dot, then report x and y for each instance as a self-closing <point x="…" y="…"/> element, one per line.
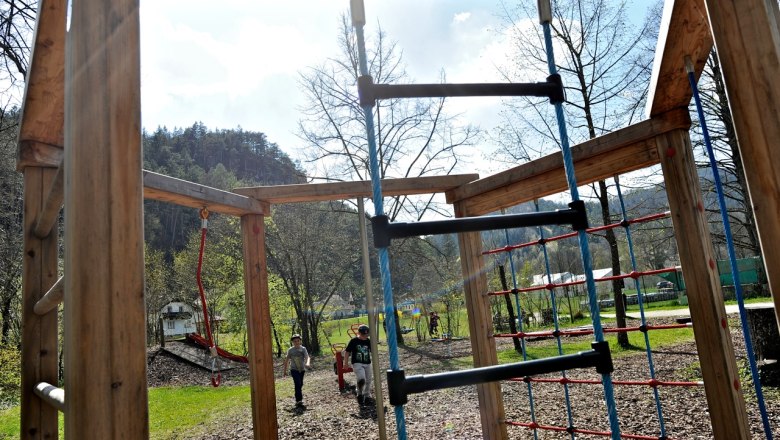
<point x="461" y="17"/>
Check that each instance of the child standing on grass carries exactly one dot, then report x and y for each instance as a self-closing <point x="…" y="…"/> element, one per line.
<point x="298" y="357"/>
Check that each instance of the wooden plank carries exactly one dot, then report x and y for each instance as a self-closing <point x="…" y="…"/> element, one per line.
<point x="625" y="150"/>
<point x="43" y="107"/>
<point x="53" y="396"/>
<point x="104" y="321"/>
<point x="684" y="32"/>
<point x="51" y="207"/>
<point x="311" y="192"/>
<point x="705" y="300"/>
<point x="258" y="319"/>
<point x="483" y="346"/>
<point x="747" y="34"/>
<point x="39" y="333"/>
<point x="51" y="299"/>
<point x="181" y="192"/>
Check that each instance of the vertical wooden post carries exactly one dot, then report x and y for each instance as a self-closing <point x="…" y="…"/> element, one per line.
<point x="258" y="321"/>
<point x="705" y="299"/>
<point x="483" y="346"/>
<point x="105" y="325"/>
<point x="747" y="36"/>
<point x="39" y="333"/>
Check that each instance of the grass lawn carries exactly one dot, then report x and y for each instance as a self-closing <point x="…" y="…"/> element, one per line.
<point x="173" y="412"/>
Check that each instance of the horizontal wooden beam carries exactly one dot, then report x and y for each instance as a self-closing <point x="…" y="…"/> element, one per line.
<point x="52" y="395"/>
<point x="51" y="299"/>
<point x="51" y="206"/>
<point x="625" y="150"/>
<point x="43" y="107"/>
<point x="38" y="154"/>
<point x="684" y="31"/>
<point x="181" y="192"/>
<point x="313" y="192"/>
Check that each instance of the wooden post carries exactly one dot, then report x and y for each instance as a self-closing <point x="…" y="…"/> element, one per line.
<point x="710" y="327"/>
<point x="105" y="325"/>
<point x="747" y="37"/>
<point x="39" y="333"/>
<point x="483" y="346"/>
<point x="258" y="319"/>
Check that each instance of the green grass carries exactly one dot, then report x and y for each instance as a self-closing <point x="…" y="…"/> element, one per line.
<point x="173" y="412"/>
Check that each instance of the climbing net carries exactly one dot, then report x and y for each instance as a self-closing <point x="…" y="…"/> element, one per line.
<point x="559" y="333"/>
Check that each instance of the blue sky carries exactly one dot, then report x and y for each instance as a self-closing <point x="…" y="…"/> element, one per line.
<point x="236" y="62"/>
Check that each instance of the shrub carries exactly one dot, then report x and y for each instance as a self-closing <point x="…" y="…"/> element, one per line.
<point x="10" y="376"/>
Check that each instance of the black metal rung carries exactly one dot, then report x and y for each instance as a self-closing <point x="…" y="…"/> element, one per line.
<point x="399" y="386"/>
<point x="370" y="92"/>
<point x="384" y="231"/>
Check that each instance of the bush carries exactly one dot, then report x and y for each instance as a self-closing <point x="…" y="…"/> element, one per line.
<point x="10" y="376"/>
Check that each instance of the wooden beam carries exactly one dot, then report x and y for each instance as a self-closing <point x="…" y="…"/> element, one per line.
<point x="51" y="299"/>
<point x="258" y="319"/>
<point x="105" y="320"/>
<point x="53" y="396"/>
<point x="625" y="150"/>
<point x="747" y="34"/>
<point x="43" y="107"/>
<point x="51" y="207"/>
<point x="181" y="192"/>
<point x="483" y="345"/>
<point x="684" y="32"/>
<point x="39" y="333"/>
<point x="697" y="258"/>
<point x="312" y="192"/>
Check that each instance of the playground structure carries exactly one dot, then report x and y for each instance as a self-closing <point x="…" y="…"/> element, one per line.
<point x="80" y="141"/>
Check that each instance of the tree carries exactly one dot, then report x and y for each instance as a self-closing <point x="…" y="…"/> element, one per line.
<point x="11" y="237"/>
<point x="414" y="137"/>
<point x="724" y="144"/>
<point x="17" y="21"/>
<point x="315" y="252"/>
<point x="605" y="72"/>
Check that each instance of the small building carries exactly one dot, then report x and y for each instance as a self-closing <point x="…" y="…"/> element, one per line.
<point x="177" y="319"/>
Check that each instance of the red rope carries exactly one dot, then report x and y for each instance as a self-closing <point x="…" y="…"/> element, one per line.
<point x="550" y="286"/>
<point x="204" y="215"/>
<point x="650" y="382"/>
<point x="533" y="425"/>
<point x="646" y="218"/>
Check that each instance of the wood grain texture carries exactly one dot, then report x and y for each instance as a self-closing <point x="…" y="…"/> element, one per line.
<point x="628" y="149"/>
<point x="491" y="404"/>
<point x="43" y="106"/>
<point x="747" y="36"/>
<point x="705" y="300"/>
<point x="39" y="333"/>
<point x="184" y="193"/>
<point x="104" y="318"/>
<point x="52" y="205"/>
<point x="312" y="192"/>
<point x="258" y="317"/>
<point x="684" y="32"/>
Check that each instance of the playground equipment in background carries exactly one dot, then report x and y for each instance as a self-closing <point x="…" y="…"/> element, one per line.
<point x="338" y="360"/>
<point x="208" y="342"/>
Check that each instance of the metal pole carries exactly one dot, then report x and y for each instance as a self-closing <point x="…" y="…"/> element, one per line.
<point x="372" y="328"/>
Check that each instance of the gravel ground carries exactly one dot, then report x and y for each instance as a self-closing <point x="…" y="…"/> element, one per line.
<point x="454" y="413"/>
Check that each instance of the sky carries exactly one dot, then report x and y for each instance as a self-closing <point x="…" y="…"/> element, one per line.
<point x="236" y="62"/>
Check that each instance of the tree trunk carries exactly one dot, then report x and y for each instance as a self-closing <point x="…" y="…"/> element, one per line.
<point x="510" y="309"/>
<point x="6" y="325"/>
<point x="617" y="285"/>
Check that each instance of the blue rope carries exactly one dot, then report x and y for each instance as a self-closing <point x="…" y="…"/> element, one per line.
<point x="384" y="256"/>
<point x="569" y="415"/>
<point x="520" y="326"/>
<point x="568" y="163"/>
<point x="640" y="300"/>
<point x="732" y="259"/>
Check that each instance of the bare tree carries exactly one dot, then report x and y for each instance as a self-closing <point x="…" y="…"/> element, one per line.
<point x="17" y="20"/>
<point x="724" y="144"/>
<point x="605" y="64"/>
<point x="11" y="234"/>
<point x="414" y="137"/>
